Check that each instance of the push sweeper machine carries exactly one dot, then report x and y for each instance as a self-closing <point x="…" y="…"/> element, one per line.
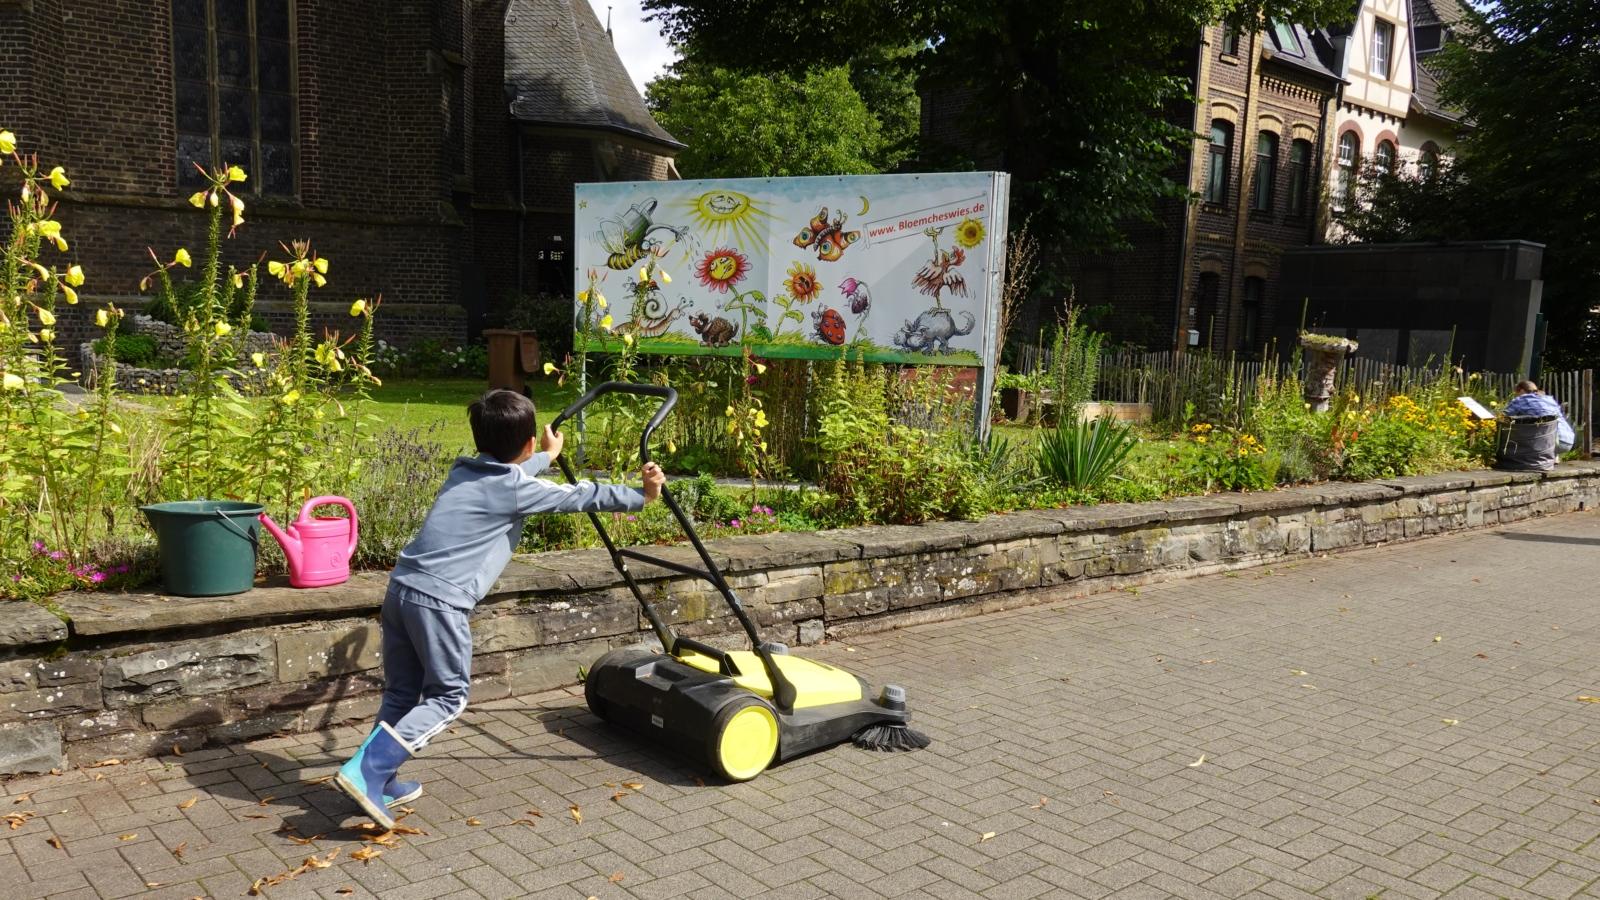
<point x="736" y="710"/>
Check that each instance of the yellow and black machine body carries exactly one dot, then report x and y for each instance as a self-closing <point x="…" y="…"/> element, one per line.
<point x="736" y="711"/>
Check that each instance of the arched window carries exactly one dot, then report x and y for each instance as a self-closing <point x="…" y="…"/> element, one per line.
<point x="1349" y="156"/>
<point x="1384" y="157"/>
<point x="1299" y="177"/>
<point x="1217" y="169"/>
<point x="1266" y="171"/>
<point x="1428" y="161"/>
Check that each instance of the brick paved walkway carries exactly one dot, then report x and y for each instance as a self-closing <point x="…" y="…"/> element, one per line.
<point x="1401" y="722"/>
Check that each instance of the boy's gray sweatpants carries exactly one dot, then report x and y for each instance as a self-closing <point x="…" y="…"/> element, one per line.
<point x="427" y="665"/>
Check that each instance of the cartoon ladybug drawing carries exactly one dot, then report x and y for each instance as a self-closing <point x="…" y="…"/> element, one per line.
<point x="829" y="325"/>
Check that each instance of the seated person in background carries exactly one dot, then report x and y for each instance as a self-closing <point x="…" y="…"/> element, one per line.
<point x="1530" y="401"/>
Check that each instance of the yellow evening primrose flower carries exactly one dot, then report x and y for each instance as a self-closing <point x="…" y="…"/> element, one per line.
<point x="235" y="173"/>
<point x="665" y="278"/>
<point x="211" y="197"/>
<point x="221" y="328"/>
<point x="75" y="276"/>
<point x="197" y="199"/>
<point x="605" y="321"/>
<point x="275" y="268"/>
<point x="238" y="279"/>
<point x="238" y="210"/>
<point x="9" y="381"/>
<point x="183" y="258"/>
<point x="583" y="296"/>
<point x="549" y="368"/>
<point x="317" y="279"/>
<point x="358" y="307"/>
<point x="70" y="294"/>
<point x="627" y="339"/>
<point x="290" y="398"/>
<point x="728" y="411"/>
<point x="58" y="178"/>
<point x="102" y="318"/>
<point x="644" y="275"/>
<point x="321" y="264"/>
<point x="763" y="446"/>
<point x="761" y="369"/>
<point x="672" y="447"/>
<point x="601" y="300"/>
<point x="46" y="317"/>
<point x="46" y="335"/>
<point x="8" y="144"/>
<point x="260" y="359"/>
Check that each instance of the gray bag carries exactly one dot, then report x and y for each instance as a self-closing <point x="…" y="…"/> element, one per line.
<point x="1526" y="443"/>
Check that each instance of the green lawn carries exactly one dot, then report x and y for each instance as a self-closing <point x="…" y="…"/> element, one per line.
<point x="423" y="403"/>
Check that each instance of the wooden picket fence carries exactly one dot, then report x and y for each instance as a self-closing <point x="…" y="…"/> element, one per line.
<point x="1221" y="386"/>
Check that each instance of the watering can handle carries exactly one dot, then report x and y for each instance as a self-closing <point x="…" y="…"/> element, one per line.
<point x="314" y="502"/>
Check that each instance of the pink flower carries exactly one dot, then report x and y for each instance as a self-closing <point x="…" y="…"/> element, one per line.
<point x="735" y="523"/>
<point x="38" y="546"/>
<point x="56" y="554"/>
<point x="97" y="577"/>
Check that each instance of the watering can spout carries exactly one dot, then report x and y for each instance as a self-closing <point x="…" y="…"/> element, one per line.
<point x="287" y="539"/>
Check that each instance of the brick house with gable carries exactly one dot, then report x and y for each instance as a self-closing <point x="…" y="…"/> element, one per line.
<point x="428" y="148"/>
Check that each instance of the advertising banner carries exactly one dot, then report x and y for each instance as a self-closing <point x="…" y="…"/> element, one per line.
<point x="890" y="268"/>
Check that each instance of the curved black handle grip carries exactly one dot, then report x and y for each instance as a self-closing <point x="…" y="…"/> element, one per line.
<point x="668" y="395"/>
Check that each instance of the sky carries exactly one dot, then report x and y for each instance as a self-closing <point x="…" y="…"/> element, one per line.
<point x="639" y="43"/>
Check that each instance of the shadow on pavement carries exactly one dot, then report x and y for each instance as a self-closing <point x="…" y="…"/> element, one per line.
<point x="1550" y="539"/>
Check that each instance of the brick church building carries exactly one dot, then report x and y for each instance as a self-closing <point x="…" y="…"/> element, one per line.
<point x="428" y="148"/>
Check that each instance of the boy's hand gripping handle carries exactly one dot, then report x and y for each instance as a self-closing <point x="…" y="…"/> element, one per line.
<point x="668" y="395"/>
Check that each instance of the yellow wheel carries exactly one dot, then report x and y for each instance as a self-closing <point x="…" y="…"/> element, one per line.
<point x="744" y="739"/>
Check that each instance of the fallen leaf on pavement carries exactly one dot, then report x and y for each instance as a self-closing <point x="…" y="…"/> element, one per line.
<point x="1311" y="686"/>
<point x="265" y="800"/>
<point x="16" y="820"/>
<point x="323" y="780"/>
<point x="366" y="854"/>
<point x="633" y="785"/>
<point x="127" y="837"/>
<point x="254" y="816"/>
<point x="1041" y="803"/>
<point x="189" y="803"/>
<point x="616" y="878"/>
<point x="1437" y="638"/>
<point x="1300" y="672"/>
<point x="528" y="822"/>
<point x="302" y="841"/>
<point x="22" y="798"/>
<point x="105" y="762"/>
<point x="1481" y="655"/>
<point x="55" y="842"/>
<point x="577" y="814"/>
<point x="617" y="797"/>
<point x="1581" y="699"/>
<point x="986" y="836"/>
<point x="1199" y="762"/>
<point x="345" y="890"/>
<point x="536" y="813"/>
<point x="178" y="850"/>
<point x="177" y="750"/>
<point x="1451" y="721"/>
<point x="474" y="822"/>
<point x="1207" y="662"/>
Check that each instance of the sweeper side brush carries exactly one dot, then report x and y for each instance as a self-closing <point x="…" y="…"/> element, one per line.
<point x="738" y="711"/>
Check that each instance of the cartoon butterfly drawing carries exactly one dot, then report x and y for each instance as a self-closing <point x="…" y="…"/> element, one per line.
<point x="828" y="239"/>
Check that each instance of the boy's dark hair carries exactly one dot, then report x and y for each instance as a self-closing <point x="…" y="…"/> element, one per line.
<point x="502" y="423"/>
<point x="1527" y="387"/>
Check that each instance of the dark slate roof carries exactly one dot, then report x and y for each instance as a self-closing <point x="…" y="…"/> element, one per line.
<point x="1425" y="95"/>
<point x="1436" y="12"/>
<point x="562" y="69"/>
<point x="1310" y="52"/>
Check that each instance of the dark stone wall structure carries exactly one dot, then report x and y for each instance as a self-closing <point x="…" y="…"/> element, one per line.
<point x="1404" y="302"/>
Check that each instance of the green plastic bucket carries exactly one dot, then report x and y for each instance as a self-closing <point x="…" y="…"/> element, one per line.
<point x="208" y="547"/>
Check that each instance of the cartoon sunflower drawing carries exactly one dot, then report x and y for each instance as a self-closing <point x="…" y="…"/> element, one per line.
<point x="969" y="233"/>
<point x="802" y="282"/>
<point x="722" y="268"/>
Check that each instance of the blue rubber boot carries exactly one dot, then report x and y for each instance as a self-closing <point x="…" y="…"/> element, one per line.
<point x="397" y="792"/>
<point x="373" y="766"/>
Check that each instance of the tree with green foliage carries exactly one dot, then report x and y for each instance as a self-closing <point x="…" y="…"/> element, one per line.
<point x="1075" y="98"/>
<point x="739" y="125"/>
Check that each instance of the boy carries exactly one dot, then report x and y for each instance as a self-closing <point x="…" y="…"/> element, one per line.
<point x="464" y="545"/>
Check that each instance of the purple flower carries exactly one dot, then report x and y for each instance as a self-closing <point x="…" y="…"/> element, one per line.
<point x="97" y="577"/>
<point x="633" y="518"/>
<point x="56" y="554"/>
<point x="120" y="570"/>
<point x="38" y="546"/>
<point x="735" y="523"/>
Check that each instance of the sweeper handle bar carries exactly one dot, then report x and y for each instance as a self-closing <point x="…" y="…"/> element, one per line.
<point x="783" y="691"/>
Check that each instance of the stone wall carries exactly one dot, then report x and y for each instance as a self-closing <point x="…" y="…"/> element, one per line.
<point x="129" y="675"/>
<point x="171" y="344"/>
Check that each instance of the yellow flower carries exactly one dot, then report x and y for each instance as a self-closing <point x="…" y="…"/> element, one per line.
<point x="221" y="328"/>
<point x="182" y="258"/>
<point x="58" y="178"/>
<point x="763" y="446"/>
<point x="102" y="318"/>
<point x="320" y="264"/>
<point x="211" y="197"/>
<point x="260" y="359"/>
<point x="46" y="335"/>
<point x="275" y="268"/>
<point x="605" y="321"/>
<point x="317" y="279"/>
<point x="600" y="299"/>
<point x="46" y="317"/>
<point x="8" y="144"/>
<point x="70" y="294"/>
<point x="238" y="279"/>
<point x="761" y="369"/>
<point x="198" y="199"/>
<point x="235" y="173"/>
<point x="75" y="276"/>
<point x="1200" y="440"/>
<point x="627" y="339"/>
<point x="358" y="307"/>
<point x="290" y="398"/>
<point x="728" y="411"/>
<point x="238" y="210"/>
<point x="549" y="368"/>
<point x="583" y="296"/>
<point x="644" y="275"/>
<point x="665" y="278"/>
<point x="969" y="233"/>
<point x="9" y="381"/>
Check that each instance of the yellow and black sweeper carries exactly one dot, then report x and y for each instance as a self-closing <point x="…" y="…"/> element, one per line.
<point x="737" y="711"/>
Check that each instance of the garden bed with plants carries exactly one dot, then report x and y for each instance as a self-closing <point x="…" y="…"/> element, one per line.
<point x="879" y="445"/>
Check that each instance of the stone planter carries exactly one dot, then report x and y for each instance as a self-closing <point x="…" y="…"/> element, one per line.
<point x="1324" y="355"/>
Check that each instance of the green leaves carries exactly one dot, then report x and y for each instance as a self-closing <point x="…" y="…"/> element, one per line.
<point x="1084" y="455"/>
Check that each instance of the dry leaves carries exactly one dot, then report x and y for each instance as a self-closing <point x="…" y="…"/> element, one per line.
<point x="1041" y="803"/>
<point x="17" y="820"/>
<point x="1451" y="721"/>
<point x="55" y="842"/>
<point x="616" y="878"/>
<point x="189" y="803"/>
<point x="302" y="841"/>
<point x="265" y="800"/>
<point x="474" y="821"/>
<point x="323" y="780"/>
<point x="22" y="798"/>
<point x="1583" y="698"/>
<point x="1199" y="762"/>
<point x="311" y="862"/>
<point x="345" y="890"/>
<point x="104" y="762"/>
<point x="633" y="785"/>
<point x="128" y="837"/>
<point x="1437" y="638"/>
<point x="617" y="797"/>
<point x="987" y="835"/>
<point x="177" y="852"/>
<point x="366" y="854"/>
<point x="577" y="814"/>
<point x="1481" y="655"/>
<point x="177" y="750"/>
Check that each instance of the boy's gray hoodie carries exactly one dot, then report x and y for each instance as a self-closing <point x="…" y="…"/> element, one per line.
<point x="476" y="522"/>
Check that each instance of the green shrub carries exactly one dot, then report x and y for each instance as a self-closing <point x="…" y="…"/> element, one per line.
<point x="138" y="350"/>
<point x="1085" y="455"/>
<point x="1231" y="461"/>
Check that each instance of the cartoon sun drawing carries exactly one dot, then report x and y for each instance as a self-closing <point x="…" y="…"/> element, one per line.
<point x="969" y="233"/>
<point x="722" y="268"/>
<point x="728" y="217"/>
<point x="802" y="282"/>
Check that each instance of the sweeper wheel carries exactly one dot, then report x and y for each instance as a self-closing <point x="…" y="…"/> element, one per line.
<point x="743" y="739"/>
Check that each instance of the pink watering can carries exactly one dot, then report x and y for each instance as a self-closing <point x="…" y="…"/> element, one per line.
<point x="318" y="548"/>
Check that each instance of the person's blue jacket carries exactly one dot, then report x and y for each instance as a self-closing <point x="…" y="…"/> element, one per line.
<point x="476" y="522"/>
<point x="1540" y="404"/>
